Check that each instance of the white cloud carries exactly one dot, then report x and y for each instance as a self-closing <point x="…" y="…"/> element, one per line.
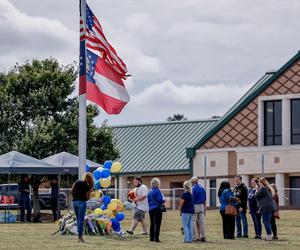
<point x="167" y="93"/>
<point x="161" y="100"/>
<point x="141" y="65"/>
<point x="141" y="24"/>
<point x="26" y="37"/>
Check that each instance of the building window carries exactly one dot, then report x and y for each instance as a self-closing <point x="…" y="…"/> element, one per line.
<point x="241" y="161"/>
<point x="272" y="123"/>
<point x="295" y="122"/>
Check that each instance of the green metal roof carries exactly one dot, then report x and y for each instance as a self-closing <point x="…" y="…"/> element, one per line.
<point x="253" y="92"/>
<point x="158" y="147"/>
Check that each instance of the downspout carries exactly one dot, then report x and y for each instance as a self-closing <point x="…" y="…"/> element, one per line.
<point x="190" y="154"/>
<point x="191" y="166"/>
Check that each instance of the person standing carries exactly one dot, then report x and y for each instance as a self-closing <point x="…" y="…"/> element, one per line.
<point x="252" y="202"/>
<point x="275" y="215"/>
<point x="266" y="205"/>
<point x="24" y="191"/>
<point x="155" y="200"/>
<point x="186" y="207"/>
<point x="199" y="194"/>
<point x="240" y="192"/>
<point x="142" y="205"/>
<point x="226" y="198"/>
<point x="54" y="198"/>
<point x="35" y="181"/>
<point x="81" y="193"/>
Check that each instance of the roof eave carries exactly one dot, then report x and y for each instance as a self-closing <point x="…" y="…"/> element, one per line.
<point x="171" y="172"/>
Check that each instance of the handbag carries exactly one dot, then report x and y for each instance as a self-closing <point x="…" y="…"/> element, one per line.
<point x="230" y="210"/>
<point x="162" y="207"/>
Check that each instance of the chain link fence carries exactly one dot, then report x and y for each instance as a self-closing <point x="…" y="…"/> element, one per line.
<point x="288" y="197"/>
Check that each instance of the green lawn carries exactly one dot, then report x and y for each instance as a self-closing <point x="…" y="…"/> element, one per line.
<point x="38" y="236"/>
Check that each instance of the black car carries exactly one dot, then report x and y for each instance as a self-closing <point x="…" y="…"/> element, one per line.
<point x="44" y="196"/>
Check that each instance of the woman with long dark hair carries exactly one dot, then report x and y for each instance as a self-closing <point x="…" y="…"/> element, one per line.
<point x="253" y="207"/>
<point x="275" y="215"/>
<point x="226" y="198"/>
<point x="266" y="205"/>
<point x="81" y="193"/>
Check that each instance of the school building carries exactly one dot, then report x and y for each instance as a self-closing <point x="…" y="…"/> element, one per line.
<point x="258" y="136"/>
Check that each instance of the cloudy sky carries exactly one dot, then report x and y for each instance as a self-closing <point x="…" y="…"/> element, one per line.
<point x="194" y="57"/>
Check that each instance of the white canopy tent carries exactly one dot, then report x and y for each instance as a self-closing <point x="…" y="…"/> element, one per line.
<point x="68" y="163"/>
<point x="17" y="163"/>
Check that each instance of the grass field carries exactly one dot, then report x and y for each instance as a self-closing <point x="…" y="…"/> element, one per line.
<point x="38" y="236"/>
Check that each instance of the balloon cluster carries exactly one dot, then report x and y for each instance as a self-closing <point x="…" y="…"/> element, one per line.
<point x="110" y="208"/>
<point x="113" y="209"/>
<point x="102" y="175"/>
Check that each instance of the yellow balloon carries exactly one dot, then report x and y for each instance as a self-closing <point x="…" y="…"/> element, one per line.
<point x="98" y="194"/>
<point x="105" y="183"/>
<point x="119" y="205"/>
<point x="98" y="211"/>
<point x="102" y="220"/>
<point x="92" y="195"/>
<point x="108" y="212"/>
<point x="121" y="208"/>
<point x="112" y="206"/>
<point x="116" y="167"/>
<point x="116" y="200"/>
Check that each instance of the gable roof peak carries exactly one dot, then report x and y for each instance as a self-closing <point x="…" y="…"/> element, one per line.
<point x="266" y="80"/>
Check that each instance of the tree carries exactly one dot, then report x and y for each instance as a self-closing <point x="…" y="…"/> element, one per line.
<point x="39" y="117"/>
<point x="176" y="117"/>
<point x="35" y="181"/>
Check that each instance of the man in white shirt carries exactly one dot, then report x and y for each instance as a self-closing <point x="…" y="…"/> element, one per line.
<point x="142" y="206"/>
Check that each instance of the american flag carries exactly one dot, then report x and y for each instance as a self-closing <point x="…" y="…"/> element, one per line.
<point x="101" y="69"/>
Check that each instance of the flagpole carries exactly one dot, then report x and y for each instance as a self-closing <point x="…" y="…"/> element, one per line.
<point x="82" y="110"/>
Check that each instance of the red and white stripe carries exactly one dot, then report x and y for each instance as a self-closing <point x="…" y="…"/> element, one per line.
<point x="96" y="40"/>
<point x="109" y="91"/>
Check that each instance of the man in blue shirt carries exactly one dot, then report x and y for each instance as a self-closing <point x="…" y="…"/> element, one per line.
<point x="199" y="194"/>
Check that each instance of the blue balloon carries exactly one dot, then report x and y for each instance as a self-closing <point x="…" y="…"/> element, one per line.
<point x="97" y="185"/>
<point x="115" y="225"/>
<point x="107" y="164"/>
<point x="87" y="168"/>
<point x="117" y="229"/>
<point x="106" y="199"/>
<point x="103" y="207"/>
<point x="105" y="173"/>
<point x="97" y="174"/>
<point x="120" y="216"/>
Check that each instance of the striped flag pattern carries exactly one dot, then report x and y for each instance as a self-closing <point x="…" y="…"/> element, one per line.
<point x="102" y="71"/>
